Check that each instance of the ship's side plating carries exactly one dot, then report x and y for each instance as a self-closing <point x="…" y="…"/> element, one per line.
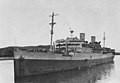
<point x="30" y="63"/>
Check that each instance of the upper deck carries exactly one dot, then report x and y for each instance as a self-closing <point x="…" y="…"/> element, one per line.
<point x="80" y="45"/>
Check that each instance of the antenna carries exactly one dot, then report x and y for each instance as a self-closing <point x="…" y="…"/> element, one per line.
<point x="71" y="31"/>
<point x="52" y="24"/>
<point x="104" y="40"/>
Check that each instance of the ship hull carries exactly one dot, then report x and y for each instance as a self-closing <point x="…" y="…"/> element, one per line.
<point x="25" y="67"/>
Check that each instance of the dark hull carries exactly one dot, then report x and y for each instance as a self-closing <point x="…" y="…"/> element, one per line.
<point x="24" y="67"/>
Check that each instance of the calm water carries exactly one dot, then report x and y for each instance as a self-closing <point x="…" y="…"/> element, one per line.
<point x="105" y="73"/>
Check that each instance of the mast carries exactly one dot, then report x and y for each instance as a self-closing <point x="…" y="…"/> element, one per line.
<point x="52" y="24"/>
<point x="104" y="40"/>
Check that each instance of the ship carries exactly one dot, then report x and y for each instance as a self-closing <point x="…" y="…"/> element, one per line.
<point x="62" y="54"/>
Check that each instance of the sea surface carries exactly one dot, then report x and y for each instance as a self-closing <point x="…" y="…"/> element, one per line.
<point x="104" y="73"/>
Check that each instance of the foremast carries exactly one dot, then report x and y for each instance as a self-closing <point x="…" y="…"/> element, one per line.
<point x="52" y="25"/>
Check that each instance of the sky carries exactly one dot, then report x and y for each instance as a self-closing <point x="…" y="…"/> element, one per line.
<point x="26" y="22"/>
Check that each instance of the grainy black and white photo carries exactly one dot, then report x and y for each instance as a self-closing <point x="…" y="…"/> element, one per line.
<point x="59" y="41"/>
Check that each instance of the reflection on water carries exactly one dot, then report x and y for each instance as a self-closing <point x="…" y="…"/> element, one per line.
<point x="85" y="75"/>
